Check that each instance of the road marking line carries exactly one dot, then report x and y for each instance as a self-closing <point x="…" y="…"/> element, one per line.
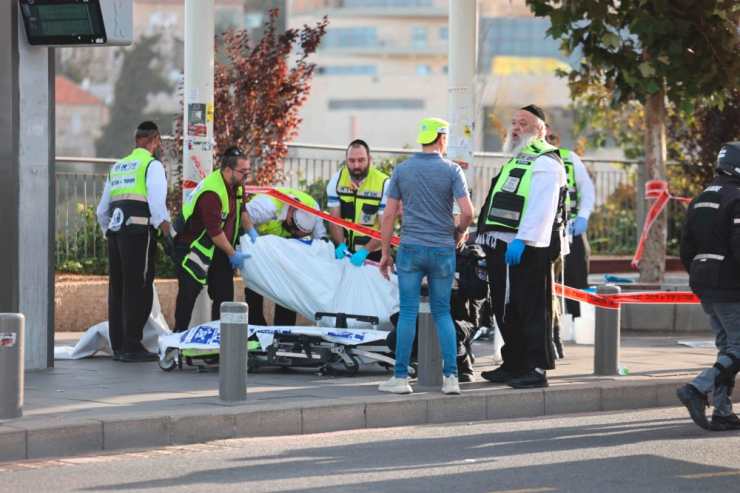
<point x="711" y="475"/>
<point x="533" y="490"/>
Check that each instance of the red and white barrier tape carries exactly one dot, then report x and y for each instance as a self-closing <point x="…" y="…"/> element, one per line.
<point x="273" y="192"/>
<point x="654" y="189"/>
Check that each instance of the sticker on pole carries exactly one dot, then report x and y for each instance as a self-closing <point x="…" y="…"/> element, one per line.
<point x="7" y="339"/>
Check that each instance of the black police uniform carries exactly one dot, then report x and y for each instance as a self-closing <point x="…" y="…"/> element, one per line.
<point x="710" y="252"/>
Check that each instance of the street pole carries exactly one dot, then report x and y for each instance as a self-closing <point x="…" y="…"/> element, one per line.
<point x="463" y="50"/>
<point x="198" y="107"/>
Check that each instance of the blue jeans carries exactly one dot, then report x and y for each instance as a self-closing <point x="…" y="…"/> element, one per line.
<point x="413" y="262"/>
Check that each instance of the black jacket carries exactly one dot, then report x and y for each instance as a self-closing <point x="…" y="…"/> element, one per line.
<point x="710" y="248"/>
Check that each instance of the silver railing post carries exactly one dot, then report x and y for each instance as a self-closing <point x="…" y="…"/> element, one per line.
<point x="12" y="360"/>
<point x="232" y="373"/>
<point x="430" y="356"/>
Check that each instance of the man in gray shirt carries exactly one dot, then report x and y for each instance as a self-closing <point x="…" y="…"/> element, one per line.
<point x="428" y="186"/>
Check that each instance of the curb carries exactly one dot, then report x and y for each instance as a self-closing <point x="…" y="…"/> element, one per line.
<point x="55" y="438"/>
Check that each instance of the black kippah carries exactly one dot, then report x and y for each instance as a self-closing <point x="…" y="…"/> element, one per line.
<point x="535" y="110"/>
<point x="148" y="126"/>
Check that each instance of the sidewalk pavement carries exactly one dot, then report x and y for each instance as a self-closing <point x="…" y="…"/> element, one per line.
<point x="95" y="404"/>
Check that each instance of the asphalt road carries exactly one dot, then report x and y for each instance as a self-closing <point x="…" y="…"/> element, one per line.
<point x="629" y="452"/>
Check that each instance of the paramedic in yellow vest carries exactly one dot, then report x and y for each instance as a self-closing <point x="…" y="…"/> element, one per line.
<point x="582" y="199"/>
<point x="521" y="228"/>
<point x="357" y="193"/>
<point x="207" y="242"/>
<point x="133" y="206"/>
<point x="266" y="215"/>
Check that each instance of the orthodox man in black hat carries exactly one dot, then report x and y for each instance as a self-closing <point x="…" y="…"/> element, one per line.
<point x="521" y="228"/>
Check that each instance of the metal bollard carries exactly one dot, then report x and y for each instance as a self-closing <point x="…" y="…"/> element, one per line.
<point x="606" y="337"/>
<point x="232" y="373"/>
<point x="12" y="358"/>
<point x="430" y="356"/>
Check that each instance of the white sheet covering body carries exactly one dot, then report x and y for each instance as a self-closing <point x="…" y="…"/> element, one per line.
<point x="307" y="278"/>
<point x="97" y="339"/>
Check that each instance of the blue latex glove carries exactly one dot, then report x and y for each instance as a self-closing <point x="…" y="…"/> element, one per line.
<point x="253" y="234"/>
<point x="514" y="252"/>
<point x="339" y="252"/>
<point x="236" y="259"/>
<point x="359" y="257"/>
<point x="579" y="226"/>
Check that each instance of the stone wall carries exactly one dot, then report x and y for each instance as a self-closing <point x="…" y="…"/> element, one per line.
<point x="81" y="302"/>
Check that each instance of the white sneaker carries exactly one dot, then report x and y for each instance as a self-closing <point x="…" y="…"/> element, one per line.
<point x="450" y="385"/>
<point x="396" y="386"/>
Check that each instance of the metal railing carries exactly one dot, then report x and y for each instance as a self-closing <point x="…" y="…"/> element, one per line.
<point x="614" y="227"/>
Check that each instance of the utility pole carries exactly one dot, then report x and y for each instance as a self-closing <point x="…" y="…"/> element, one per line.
<point x="463" y="50"/>
<point x="198" y="108"/>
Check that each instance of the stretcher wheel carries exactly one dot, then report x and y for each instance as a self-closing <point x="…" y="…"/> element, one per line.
<point x="354" y="368"/>
<point x="414" y="370"/>
<point x="169" y="362"/>
<point x="211" y="360"/>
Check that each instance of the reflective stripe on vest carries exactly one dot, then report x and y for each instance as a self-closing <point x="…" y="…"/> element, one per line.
<point x="198" y="261"/>
<point x="511" y="194"/>
<point x="574" y="197"/>
<point x="275" y="227"/>
<point x="127" y="182"/>
<point x="361" y="205"/>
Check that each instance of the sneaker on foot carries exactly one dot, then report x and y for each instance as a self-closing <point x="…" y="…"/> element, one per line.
<point x="722" y="423"/>
<point x="529" y="379"/>
<point x="695" y="402"/>
<point x="499" y="375"/>
<point x="450" y="385"/>
<point x="396" y="386"/>
<point x="466" y="377"/>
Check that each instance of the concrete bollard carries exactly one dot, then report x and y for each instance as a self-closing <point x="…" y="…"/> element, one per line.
<point x="232" y="372"/>
<point x="606" y="337"/>
<point x="430" y="356"/>
<point x="12" y="358"/>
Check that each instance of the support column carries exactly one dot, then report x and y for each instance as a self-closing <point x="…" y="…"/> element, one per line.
<point x="463" y="50"/>
<point x="198" y="108"/>
<point x="26" y="194"/>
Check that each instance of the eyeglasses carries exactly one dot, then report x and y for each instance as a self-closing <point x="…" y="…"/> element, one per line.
<point x="242" y="172"/>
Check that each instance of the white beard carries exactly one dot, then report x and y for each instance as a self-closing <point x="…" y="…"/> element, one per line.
<point x="512" y="148"/>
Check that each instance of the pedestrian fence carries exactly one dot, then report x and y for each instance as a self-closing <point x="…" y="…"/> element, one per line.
<point x="614" y="226"/>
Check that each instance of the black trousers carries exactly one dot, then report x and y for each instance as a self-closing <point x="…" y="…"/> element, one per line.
<point x="130" y="292"/>
<point x="576" y="270"/>
<point x="220" y="288"/>
<point x="526" y="321"/>
<point x="283" y="316"/>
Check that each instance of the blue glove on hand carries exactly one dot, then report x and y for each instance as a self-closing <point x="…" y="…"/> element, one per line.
<point x="514" y="253"/>
<point x="236" y="259"/>
<point x="339" y="252"/>
<point x="253" y="234"/>
<point x="579" y="226"/>
<point x="359" y="257"/>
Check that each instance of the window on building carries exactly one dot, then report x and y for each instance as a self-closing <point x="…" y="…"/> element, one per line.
<point x="419" y="36"/>
<point x="423" y="70"/>
<point x="444" y="33"/>
<point x="350" y="37"/>
<point x="376" y="104"/>
<point x="348" y="70"/>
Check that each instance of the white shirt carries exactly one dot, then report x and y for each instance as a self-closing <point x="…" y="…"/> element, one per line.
<point x="156" y="194"/>
<point x="262" y="209"/>
<point x="333" y="198"/>
<point x="535" y="228"/>
<point x="585" y="187"/>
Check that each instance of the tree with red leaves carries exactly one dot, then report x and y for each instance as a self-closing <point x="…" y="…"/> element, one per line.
<point x="257" y="96"/>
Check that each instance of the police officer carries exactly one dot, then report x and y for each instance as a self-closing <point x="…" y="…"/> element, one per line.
<point x="206" y="232"/>
<point x="356" y="193"/>
<point x="132" y="207"/>
<point x="581" y="199"/>
<point x="710" y="252"/>
<point x="521" y="228"/>
<point x="266" y="215"/>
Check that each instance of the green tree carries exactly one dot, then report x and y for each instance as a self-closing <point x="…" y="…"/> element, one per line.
<point x="650" y="51"/>
<point x="139" y="78"/>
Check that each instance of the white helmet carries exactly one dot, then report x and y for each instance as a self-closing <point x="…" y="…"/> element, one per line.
<point x="304" y="221"/>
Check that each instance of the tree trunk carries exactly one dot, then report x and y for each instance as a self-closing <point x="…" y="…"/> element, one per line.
<point x="652" y="266"/>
